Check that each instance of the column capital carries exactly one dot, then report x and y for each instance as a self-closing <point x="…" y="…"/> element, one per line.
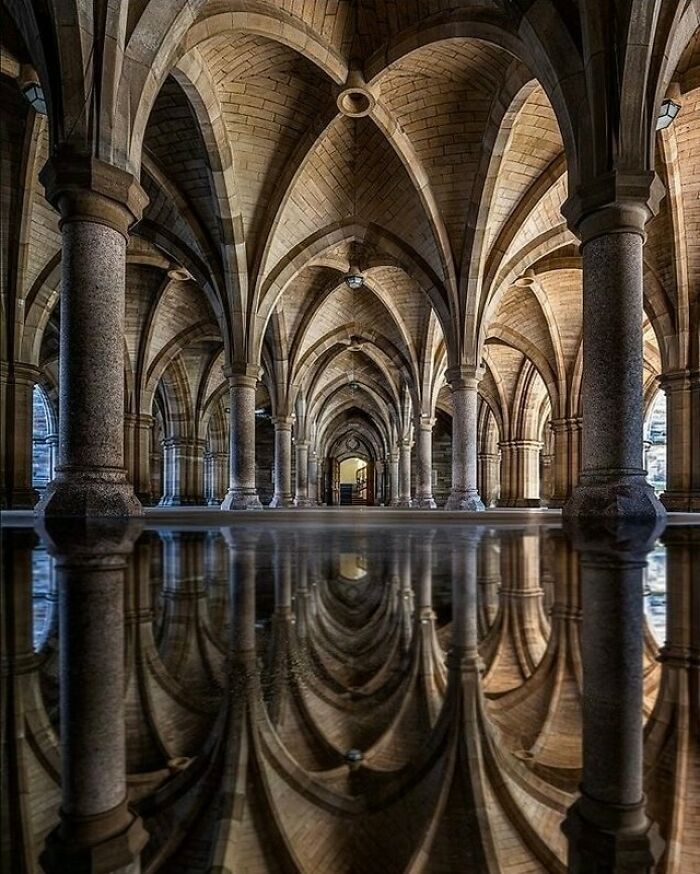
<point x="241" y="375"/>
<point x="302" y="444"/>
<point x="84" y="188"/>
<point x="282" y="423"/>
<point x="425" y="422"/>
<point x="614" y="203"/>
<point x="464" y="377"/>
<point x="678" y="380"/>
<point x="565" y="423"/>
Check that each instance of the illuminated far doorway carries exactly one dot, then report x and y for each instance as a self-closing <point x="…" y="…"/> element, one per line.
<point x="353" y="482"/>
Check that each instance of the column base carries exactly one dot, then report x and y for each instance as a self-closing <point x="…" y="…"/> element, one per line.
<point x="303" y="503"/>
<point x="241" y="499"/>
<point x="630" y="498"/>
<point x="527" y="502"/>
<point x="425" y="503"/>
<point x="281" y="502"/>
<point x="180" y="502"/>
<point x="621" y="848"/>
<point x="465" y="500"/>
<point x="71" y="847"/>
<point x="406" y="503"/>
<point x="98" y="492"/>
<point x="556" y="503"/>
<point x="214" y="502"/>
<point x="681" y="502"/>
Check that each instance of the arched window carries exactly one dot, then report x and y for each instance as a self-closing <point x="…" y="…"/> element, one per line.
<point x="44" y="440"/>
<point x="655" y="443"/>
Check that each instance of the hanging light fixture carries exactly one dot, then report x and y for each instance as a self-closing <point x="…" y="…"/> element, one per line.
<point x="354" y="280"/>
<point x="32" y="90"/>
<point x="669" y="110"/>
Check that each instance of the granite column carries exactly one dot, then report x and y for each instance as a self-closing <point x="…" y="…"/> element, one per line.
<point x="283" y="462"/>
<point x="242" y="493"/>
<point x="464" y="495"/>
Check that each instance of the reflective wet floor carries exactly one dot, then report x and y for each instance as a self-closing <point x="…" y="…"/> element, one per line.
<point x="351" y="698"/>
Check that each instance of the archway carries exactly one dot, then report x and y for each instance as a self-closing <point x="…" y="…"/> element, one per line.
<point x="353" y="481"/>
<point x="655" y="443"/>
<point x="44" y="439"/>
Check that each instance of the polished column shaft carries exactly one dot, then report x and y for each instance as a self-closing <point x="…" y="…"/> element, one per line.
<point x="302" y="474"/>
<point x="242" y="493"/>
<point x="464" y="494"/>
<point x="283" y="462"/>
<point x="424" y="457"/>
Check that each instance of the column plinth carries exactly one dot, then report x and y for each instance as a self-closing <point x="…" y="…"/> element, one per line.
<point x="98" y="204"/>
<point x="242" y="493"/>
<point x="465" y="493"/>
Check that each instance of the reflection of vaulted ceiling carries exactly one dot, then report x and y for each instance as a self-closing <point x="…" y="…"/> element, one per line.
<point x="357" y="715"/>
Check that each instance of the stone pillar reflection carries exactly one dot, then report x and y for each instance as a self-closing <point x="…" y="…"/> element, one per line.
<point x="242" y="493"/>
<point x="566" y="461"/>
<point x="613" y="479"/>
<point x="393" y="468"/>
<point x="283" y="462"/>
<point x="17" y="383"/>
<point x="682" y="390"/>
<point x="464" y="644"/>
<point x="98" y="830"/>
<point x="424" y="484"/>
<point x="98" y="203"/>
<point x="404" y="499"/>
<point x="464" y="495"/>
<point x="607" y="827"/>
<point x="301" y="498"/>
<point x="242" y="546"/>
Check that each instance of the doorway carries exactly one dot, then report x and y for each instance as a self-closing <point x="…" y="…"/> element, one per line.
<point x="353" y="482"/>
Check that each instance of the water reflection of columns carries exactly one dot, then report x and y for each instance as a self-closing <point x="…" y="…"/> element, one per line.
<point x="607" y="827"/>
<point x="242" y="565"/>
<point x="98" y="830"/>
<point x="464" y="648"/>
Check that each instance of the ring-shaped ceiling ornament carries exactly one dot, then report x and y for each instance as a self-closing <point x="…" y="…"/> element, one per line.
<point x="355" y="98"/>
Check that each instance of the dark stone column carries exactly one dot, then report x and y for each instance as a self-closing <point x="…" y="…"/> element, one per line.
<point x="98" y="831"/>
<point x="242" y="493"/>
<point x="424" y="484"/>
<point x="607" y="828"/>
<point x="302" y="474"/>
<point x="465" y="493"/>
<point x="98" y="203"/>
<point x="283" y="462"/>
<point x="611" y="228"/>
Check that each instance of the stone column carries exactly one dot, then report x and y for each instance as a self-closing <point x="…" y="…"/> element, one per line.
<point x="613" y="479"/>
<point x="393" y="467"/>
<point x="682" y="390"/>
<point x="98" y="203"/>
<point x="424" y="485"/>
<point x="313" y="478"/>
<point x="527" y="472"/>
<point x="379" y="480"/>
<point x="404" y="499"/>
<point x="283" y="462"/>
<point x="487" y="470"/>
<point x="242" y="493"/>
<point x="219" y="477"/>
<point x="184" y="463"/>
<point x="302" y="474"/>
<point x="607" y="827"/>
<point x="566" y="461"/>
<point x="508" y="474"/>
<point x="17" y="383"/>
<point x="138" y="429"/>
<point x="464" y="495"/>
<point x="98" y="831"/>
